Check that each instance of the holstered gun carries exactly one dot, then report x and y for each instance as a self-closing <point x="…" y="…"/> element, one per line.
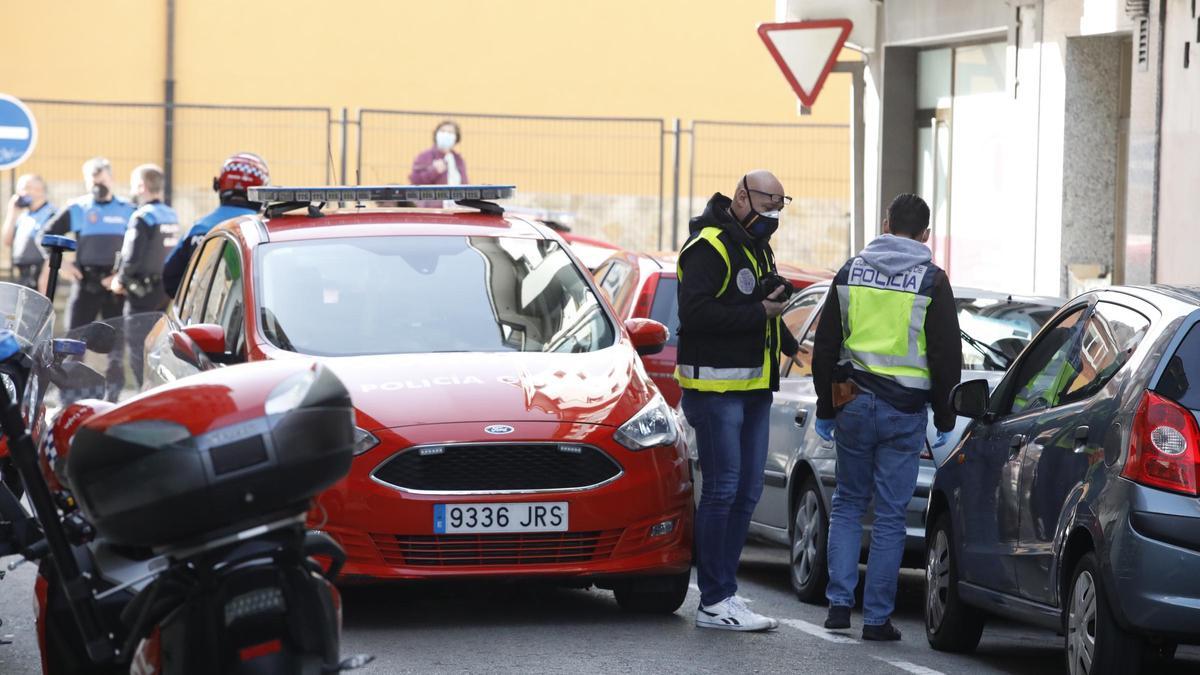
<point x="844" y="389"/>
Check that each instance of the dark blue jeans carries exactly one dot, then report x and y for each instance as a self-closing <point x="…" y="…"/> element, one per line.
<point x="731" y="439"/>
<point x="878" y="455"/>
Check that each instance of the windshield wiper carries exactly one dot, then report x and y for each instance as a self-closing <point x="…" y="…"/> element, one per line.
<point x="984" y="349"/>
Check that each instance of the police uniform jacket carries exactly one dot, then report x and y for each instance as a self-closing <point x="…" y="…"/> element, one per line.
<point x="726" y="341"/>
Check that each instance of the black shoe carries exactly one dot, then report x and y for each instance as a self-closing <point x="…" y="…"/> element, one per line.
<point x="839" y="617"/>
<point x="885" y="633"/>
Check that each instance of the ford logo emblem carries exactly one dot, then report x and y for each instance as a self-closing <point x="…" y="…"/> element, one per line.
<point x="498" y="429"/>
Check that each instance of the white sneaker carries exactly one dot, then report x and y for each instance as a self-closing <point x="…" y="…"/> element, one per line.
<point x="729" y="614"/>
<point x="741" y="603"/>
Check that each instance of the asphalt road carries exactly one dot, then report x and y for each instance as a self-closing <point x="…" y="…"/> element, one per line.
<point x="478" y="628"/>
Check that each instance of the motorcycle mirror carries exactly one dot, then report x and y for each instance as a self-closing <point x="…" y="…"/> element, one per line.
<point x="100" y="338"/>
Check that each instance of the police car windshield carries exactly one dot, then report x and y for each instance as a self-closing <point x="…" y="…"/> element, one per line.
<point x="403" y="295"/>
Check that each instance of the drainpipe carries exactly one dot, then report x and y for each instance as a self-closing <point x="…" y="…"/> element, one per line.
<point x="169" y="105"/>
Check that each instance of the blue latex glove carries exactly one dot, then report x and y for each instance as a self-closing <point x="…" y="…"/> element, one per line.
<point x="942" y="437"/>
<point x="825" y="428"/>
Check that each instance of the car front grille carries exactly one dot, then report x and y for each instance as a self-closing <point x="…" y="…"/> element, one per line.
<point x="498" y="468"/>
<point x="481" y="550"/>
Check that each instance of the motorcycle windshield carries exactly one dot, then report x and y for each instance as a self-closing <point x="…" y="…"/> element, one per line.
<point x="114" y="360"/>
<point x="27" y="313"/>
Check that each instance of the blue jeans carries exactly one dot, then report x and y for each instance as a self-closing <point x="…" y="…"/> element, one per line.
<point x="878" y="454"/>
<point x="731" y="439"/>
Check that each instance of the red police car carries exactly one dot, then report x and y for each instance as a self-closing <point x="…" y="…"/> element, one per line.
<point x="507" y="426"/>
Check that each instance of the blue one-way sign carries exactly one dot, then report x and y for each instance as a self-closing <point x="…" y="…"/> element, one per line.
<point x="18" y="132"/>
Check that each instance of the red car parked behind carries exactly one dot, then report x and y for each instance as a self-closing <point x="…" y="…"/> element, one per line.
<point x="644" y="287"/>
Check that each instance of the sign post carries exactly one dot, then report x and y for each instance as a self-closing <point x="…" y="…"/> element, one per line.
<point x="18" y="132"/>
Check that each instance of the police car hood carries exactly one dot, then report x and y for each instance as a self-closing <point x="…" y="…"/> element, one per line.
<point x="605" y="387"/>
<point x="892" y="255"/>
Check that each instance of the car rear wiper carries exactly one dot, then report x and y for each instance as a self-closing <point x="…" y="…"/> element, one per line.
<point x="984" y="349"/>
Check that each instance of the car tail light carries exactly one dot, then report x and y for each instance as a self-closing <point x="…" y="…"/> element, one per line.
<point x="645" y="301"/>
<point x="1164" y="447"/>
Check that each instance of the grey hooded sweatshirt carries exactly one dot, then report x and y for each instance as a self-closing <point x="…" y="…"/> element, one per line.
<point x="894" y="262"/>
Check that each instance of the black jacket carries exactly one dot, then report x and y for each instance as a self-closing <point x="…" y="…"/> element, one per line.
<point x="726" y="330"/>
<point x="943" y="350"/>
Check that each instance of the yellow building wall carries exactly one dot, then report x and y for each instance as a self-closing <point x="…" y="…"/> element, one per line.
<point x="688" y="59"/>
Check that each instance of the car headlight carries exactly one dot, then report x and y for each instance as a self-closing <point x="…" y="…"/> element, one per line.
<point x="363" y="440"/>
<point x="654" y="425"/>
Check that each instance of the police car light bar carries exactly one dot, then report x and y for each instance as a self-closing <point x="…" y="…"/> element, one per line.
<point x="380" y="193"/>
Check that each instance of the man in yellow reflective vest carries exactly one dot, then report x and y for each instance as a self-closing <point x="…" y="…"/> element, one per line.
<point x="730" y="339"/>
<point x="888" y="345"/>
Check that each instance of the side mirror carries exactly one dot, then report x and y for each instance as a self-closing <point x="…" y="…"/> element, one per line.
<point x="649" y="337"/>
<point x="971" y="399"/>
<point x="209" y="338"/>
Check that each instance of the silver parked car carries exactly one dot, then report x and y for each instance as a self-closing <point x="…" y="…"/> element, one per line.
<point x="801" y="468"/>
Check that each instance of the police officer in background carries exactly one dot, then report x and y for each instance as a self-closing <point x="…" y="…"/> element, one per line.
<point x="139" y="272"/>
<point x="886" y="349"/>
<point x="730" y="339"/>
<point x="98" y="221"/>
<point x="239" y="172"/>
<point x="28" y="212"/>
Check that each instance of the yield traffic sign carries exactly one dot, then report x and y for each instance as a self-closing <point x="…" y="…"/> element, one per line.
<point x="18" y="132"/>
<point x="806" y="51"/>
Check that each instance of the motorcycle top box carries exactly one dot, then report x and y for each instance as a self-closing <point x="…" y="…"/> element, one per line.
<point x="181" y="464"/>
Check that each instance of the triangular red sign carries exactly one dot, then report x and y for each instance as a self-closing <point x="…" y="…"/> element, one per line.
<point x="806" y="51"/>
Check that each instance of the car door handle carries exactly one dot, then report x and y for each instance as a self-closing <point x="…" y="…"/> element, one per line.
<point x="801" y="417"/>
<point x="1016" y="443"/>
<point x="1081" y="439"/>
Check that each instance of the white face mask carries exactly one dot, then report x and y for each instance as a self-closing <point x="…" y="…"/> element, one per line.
<point x="445" y="139"/>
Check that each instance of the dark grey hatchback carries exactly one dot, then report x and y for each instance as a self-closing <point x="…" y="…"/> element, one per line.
<point x="1072" y="499"/>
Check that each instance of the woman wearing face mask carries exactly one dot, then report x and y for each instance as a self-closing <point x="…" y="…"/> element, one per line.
<point x="440" y="165"/>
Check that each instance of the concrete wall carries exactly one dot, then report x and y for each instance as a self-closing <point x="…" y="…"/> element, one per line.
<point x="1093" y="106"/>
<point x="669" y="58"/>
<point x="1178" y="244"/>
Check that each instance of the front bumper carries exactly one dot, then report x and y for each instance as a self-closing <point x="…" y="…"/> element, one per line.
<point x="388" y="533"/>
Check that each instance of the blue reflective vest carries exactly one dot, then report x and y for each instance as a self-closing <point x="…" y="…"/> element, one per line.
<point x="100" y="229"/>
<point x="144" y="250"/>
<point x="177" y="259"/>
<point x="26" y="235"/>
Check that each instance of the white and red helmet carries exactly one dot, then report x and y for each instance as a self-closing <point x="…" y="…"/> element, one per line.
<point x="241" y="171"/>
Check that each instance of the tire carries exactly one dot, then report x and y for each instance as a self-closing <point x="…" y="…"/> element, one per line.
<point x="653" y="595"/>
<point x="1094" y="643"/>
<point x="809" y="536"/>
<point x="951" y="625"/>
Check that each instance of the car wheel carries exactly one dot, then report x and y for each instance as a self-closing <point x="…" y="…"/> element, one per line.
<point x="951" y="625"/>
<point x="1095" y="644"/>
<point x="809" y="536"/>
<point x="653" y="595"/>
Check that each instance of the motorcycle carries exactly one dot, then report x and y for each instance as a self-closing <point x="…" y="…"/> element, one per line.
<point x="168" y="524"/>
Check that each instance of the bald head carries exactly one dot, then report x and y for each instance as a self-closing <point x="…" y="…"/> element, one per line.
<point x="760" y="189"/>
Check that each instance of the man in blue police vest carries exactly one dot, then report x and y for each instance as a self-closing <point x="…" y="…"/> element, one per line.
<point x="98" y="221"/>
<point x="28" y="213"/>
<point x="139" y="271"/>
<point x="730" y="339"/>
<point x="239" y="172"/>
<point x="886" y="349"/>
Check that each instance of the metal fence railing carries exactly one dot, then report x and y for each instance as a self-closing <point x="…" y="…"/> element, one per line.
<point x="606" y="172"/>
<point x="811" y="160"/>
<point x="296" y="141"/>
<point x="621" y="179"/>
